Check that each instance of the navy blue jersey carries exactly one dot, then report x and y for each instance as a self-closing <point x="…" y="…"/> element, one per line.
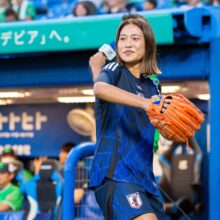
<point x="125" y="136"/>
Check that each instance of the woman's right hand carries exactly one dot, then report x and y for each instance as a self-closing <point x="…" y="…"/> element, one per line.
<point x="165" y="105"/>
<point x="96" y="62"/>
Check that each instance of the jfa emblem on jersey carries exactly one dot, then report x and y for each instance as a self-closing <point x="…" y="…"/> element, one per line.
<point x="134" y="200"/>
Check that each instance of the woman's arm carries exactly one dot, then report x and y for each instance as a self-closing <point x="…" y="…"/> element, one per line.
<point x="96" y="62"/>
<point x="114" y="94"/>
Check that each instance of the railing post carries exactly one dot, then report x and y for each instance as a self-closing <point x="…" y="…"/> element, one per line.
<point x="78" y="152"/>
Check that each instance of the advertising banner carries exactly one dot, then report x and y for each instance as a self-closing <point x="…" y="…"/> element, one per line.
<point x="37" y="130"/>
<point x="74" y="34"/>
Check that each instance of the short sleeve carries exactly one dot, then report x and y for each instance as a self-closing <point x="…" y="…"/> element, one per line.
<point x="110" y="74"/>
<point x="14" y="199"/>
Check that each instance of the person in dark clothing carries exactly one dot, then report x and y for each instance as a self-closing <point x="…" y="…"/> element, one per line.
<point x="122" y="172"/>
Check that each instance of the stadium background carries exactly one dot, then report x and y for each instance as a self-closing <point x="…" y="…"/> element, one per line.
<point x="47" y="60"/>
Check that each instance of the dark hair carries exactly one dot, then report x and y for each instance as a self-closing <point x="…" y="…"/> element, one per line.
<point x="211" y="2"/>
<point x="89" y="6"/>
<point x="11" y="12"/>
<point x="149" y="62"/>
<point x="67" y="147"/>
<point x="132" y="16"/>
<point x="153" y="2"/>
<point x="7" y="151"/>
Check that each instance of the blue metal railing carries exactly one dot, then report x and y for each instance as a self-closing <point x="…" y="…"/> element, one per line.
<point x="77" y="153"/>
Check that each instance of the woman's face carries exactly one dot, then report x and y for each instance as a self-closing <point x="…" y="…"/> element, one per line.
<point x="131" y="44"/>
<point x="3" y="3"/>
<point x="19" y="2"/>
<point x="80" y="10"/>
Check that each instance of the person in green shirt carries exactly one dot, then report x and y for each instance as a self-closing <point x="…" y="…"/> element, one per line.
<point x="25" y="10"/>
<point x="4" y="5"/>
<point x="8" y="156"/>
<point x="11" y="198"/>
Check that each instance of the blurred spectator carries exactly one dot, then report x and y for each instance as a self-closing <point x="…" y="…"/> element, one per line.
<point x="96" y="2"/>
<point x="4" y="5"/>
<point x="166" y="3"/>
<point x="214" y="2"/>
<point x="116" y="6"/>
<point x="59" y="8"/>
<point x="195" y="3"/>
<point x="119" y="6"/>
<point x="64" y="151"/>
<point x="44" y="193"/>
<point x="179" y="2"/>
<point x="25" y="10"/>
<point x="192" y="3"/>
<point x="84" y="8"/>
<point x="11" y="198"/>
<point x="11" y="15"/>
<point x="37" y="164"/>
<point x="8" y="156"/>
<point x="150" y="5"/>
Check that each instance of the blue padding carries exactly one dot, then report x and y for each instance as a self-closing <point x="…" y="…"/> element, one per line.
<point x="43" y="216"/>
<point x="59" y="183"/>
<point x="139" y="6"/>
<point x="31" y="186"/>
<point x="12" y="215"/>
<point x="89" y="208"/>
<point x="165" y="161"/>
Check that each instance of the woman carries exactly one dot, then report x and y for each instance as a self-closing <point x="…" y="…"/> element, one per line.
<point x="84" y="8"/>
<point x="122" y="173"/>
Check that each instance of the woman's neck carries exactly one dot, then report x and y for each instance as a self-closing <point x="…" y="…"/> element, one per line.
<point x="135" y="69"/>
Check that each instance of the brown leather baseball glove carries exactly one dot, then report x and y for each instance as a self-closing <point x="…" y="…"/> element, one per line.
<point x="178" y="121"/>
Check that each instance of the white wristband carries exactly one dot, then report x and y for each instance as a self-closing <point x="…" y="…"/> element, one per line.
<point x="108" y="51"/>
